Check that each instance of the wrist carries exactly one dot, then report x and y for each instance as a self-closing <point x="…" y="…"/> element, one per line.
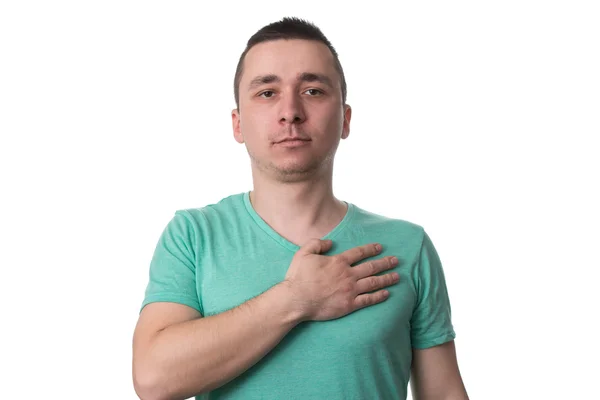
<point x="292" y="307"/>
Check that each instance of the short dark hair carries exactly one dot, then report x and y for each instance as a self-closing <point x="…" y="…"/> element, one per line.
<point x="287" y="28"/>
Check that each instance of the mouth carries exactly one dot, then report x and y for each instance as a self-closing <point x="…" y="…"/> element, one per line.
<point x="293" y="142"/>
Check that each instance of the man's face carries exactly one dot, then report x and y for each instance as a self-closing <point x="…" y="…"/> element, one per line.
<point x="290" y="88"/>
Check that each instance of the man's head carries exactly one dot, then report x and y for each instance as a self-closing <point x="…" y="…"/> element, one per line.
<point x="287" y="29"/>
<point x="289" y="83"/>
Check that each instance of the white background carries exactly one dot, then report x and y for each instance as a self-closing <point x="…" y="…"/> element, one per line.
<point x="477" y="120"/>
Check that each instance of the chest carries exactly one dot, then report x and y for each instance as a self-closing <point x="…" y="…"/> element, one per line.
<point x="233" y="277"/>
<point x="236" y="277"/>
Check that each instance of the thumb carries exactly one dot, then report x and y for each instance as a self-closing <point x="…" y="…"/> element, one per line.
<point x="316" y="246"/>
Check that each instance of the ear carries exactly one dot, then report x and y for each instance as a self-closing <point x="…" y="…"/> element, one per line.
<point x="347" y="117"/>
<point x="235" y="123"/>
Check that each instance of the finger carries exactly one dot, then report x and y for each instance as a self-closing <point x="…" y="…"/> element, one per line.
<point x="316" y="246"/>
<point x="356" y="254"/>
<point x="373" y="283"/>
<point x="374" y="266"/>
<point x="365" y="300"/>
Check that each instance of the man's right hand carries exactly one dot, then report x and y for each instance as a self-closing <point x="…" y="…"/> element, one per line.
<point x="329" y="287"/>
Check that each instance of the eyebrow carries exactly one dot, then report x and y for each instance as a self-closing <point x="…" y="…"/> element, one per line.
<point x="303" y="77"/>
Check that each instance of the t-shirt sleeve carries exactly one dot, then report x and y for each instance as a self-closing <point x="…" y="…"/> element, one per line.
<point x="431" y="322"/>
<point x="172" y="276"/>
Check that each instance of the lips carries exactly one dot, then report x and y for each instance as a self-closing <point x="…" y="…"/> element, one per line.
<point x="290" y="139"/>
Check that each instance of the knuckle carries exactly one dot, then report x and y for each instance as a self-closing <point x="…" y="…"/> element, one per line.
<point x="372" y="267"/>
<point x="338" y="259"/>
<point x="362" y="252"/>
<point x="362" y="301"/>
<point x="348" y="287"/>
<point x="349" y="304"/>
<point x="374" y="281"/>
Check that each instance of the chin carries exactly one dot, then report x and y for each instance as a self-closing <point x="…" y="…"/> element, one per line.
<point x="294" y="171"/>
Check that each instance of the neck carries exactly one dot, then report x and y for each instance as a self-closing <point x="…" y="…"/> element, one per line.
<point x="300" y="209"/>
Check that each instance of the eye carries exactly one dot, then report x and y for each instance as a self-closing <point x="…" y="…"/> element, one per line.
<point x="314" y="92"/>
<point x="266" y="94"/>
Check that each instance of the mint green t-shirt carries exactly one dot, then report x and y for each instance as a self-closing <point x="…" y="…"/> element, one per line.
<point x="219" y="256"/>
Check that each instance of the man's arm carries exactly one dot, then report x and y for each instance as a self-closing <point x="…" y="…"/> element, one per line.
<point x="435" y="374"/>
<point x="178" y="354"/>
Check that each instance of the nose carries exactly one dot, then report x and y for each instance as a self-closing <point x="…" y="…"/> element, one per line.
<point x="291" y="110"/>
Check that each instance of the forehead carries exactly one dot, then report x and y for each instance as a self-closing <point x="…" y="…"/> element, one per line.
<point x="287" y="59"/>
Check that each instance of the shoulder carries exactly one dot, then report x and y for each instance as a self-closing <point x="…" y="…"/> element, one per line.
<point x="225" y="207"/>
<point x="400" y="227"/>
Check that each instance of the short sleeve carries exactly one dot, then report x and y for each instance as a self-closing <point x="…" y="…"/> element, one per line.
<point x="431" y="322"/>
<point x="172" y="276"/>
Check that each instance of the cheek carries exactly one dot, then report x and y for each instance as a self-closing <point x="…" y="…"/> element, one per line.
<point x="333" y="123"/>
<point x="259" y="119"/>
<point x="256" y="132"/>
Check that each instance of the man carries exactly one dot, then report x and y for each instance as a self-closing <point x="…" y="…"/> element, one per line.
<point x="283" y="292"/>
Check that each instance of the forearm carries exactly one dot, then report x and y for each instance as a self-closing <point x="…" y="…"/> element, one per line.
<point x="462" y="395"/>
<point x="200" y="355"/>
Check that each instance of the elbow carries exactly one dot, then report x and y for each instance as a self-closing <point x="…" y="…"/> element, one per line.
<point x="147" y="385"/>
<point x="151" y="384"/>
<point x="144" y="389"/>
